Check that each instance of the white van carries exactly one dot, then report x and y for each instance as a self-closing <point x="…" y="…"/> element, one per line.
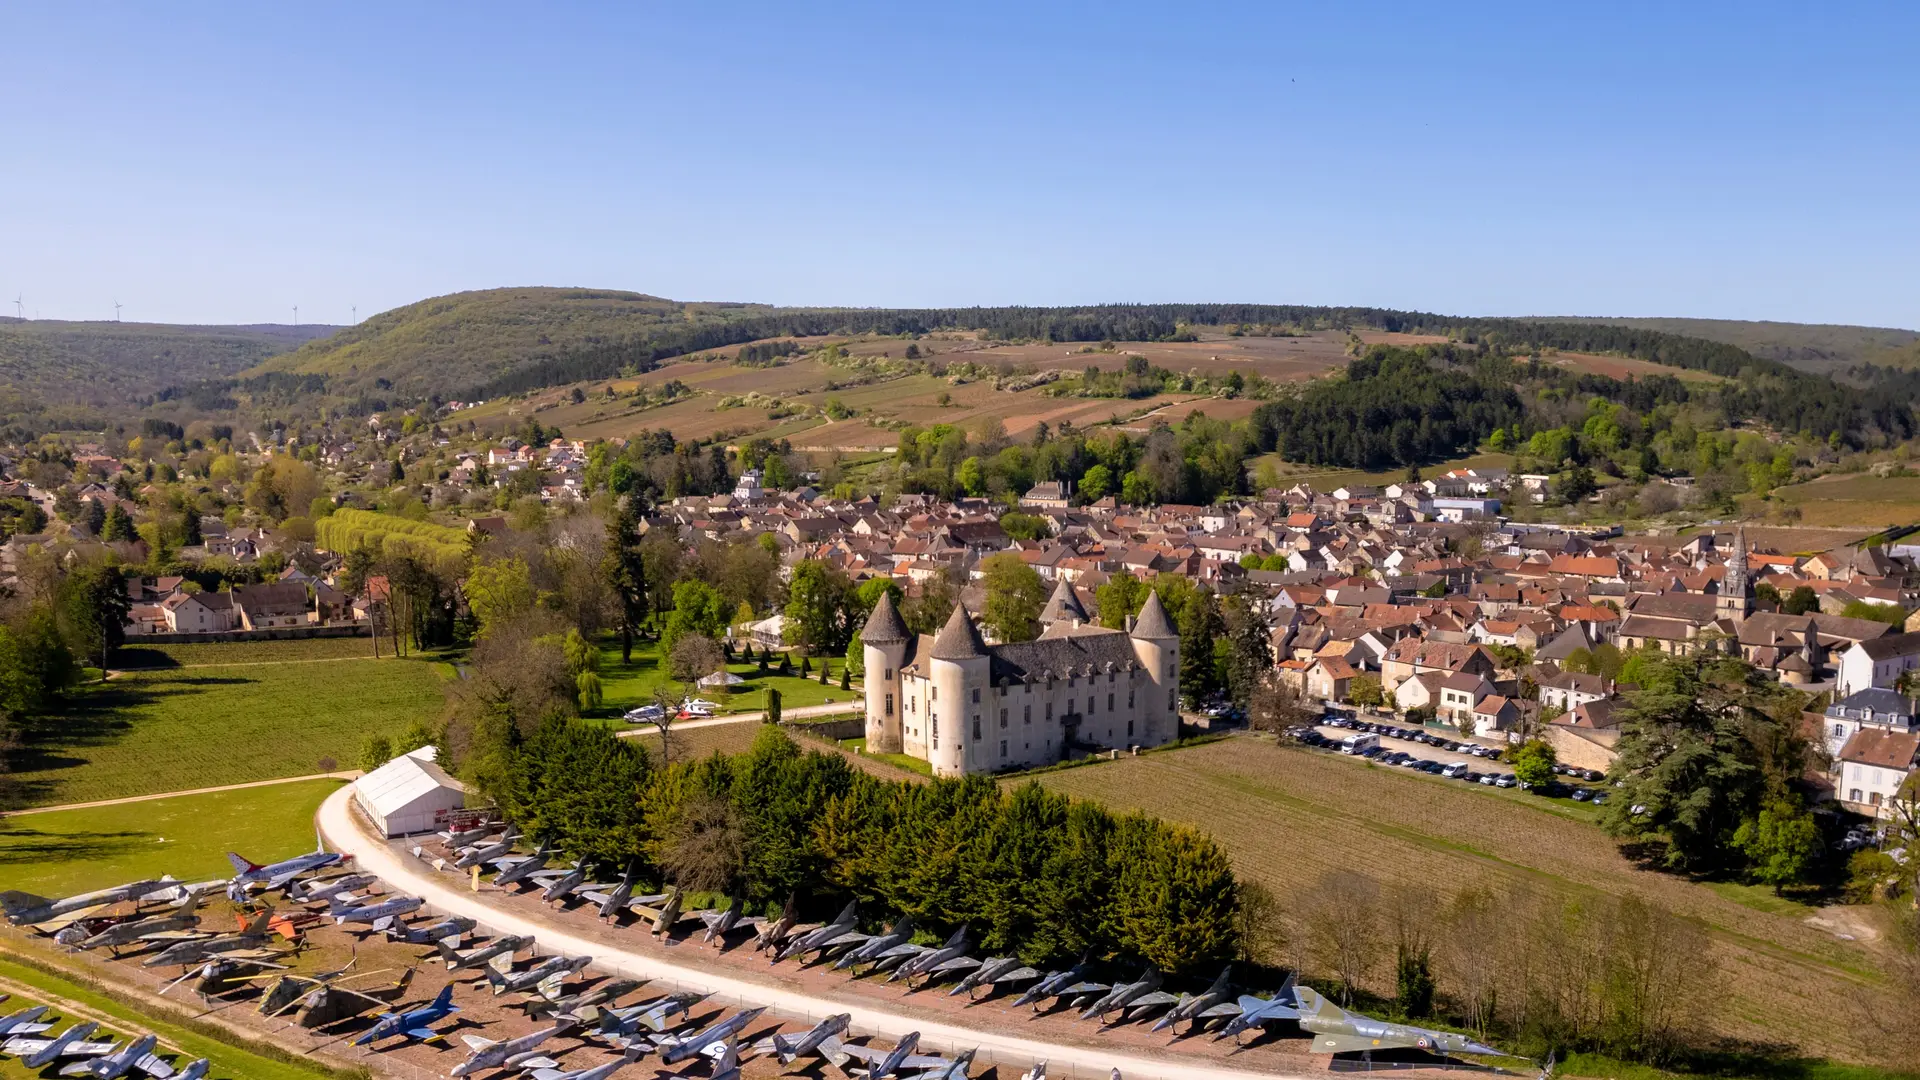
<point x="1455" y="771"/>
<point x="1358" y="744"/>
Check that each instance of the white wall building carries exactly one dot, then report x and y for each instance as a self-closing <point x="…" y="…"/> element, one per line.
<point x="409" y="794"/>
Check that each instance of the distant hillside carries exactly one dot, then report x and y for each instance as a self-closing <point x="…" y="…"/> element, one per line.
<point x="47" y="362"/>
<point x="1824" y="349"/>
<point x="469" y="343"/>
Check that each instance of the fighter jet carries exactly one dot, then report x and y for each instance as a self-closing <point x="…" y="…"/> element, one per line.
<point x="838" y="932"/>
<point x="1337" y="1031"/>
<point x="378" y="917"/>
<point x="823" y="1039"/>
<point x="559" y="885"/>
<point x="582" y="1006"/>
<point x="114" y="1064"/>
<point x="952" y="1070"/>
<point x="24" y="908"/>
<point x="1070" y="984"/>
<point x="994" y="970"/>
<point x="452" y="928"/>
<point x="414" y="1023"/>
<point x="1038" y="1072"/>
<point x="39" y="1053"/>
<point x="774" y="934"/>
<point x="25" y="1022"/>
<point x="517" y="868"/>
<point x="464" y="837"/>
<point x="597" y="1072"/>
<point x="722" y="923"/>
<point x="277" y="875"/>
<point x="322" y="890"/>
<point x="473" y="958"/>
<point x="1194" y="1008"/>
<point x="1258" y="1012"/>
<point x="665" y="915"/>
<point x="611" y="901"/>
<point x="933" y="963"/>
<point x="673" y="1050"/>
<point x="895" y="945"/>
<point x="881" y="1064"/>
<point x="621" y="1026"/>
<point x="481" y="854"/>
<point x="196" y="1069"/>
<point x="1131" y="999"/>
<point x="516" y="1053"/>
<point x="553" y="967"/>
<point x="249" y="943"/>
<point x="135" y="931"/>
<point x="727" y="1066"/>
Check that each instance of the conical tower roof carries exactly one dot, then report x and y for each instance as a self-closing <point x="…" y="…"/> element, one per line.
<point x="884" y="626"/>
<point x="1153" y="624"/>
<point x="958" y="640"/>
<point x="1063" y="606"/>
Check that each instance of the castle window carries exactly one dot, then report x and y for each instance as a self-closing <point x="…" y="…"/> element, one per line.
<point x="976" y="725"/>
<point x="889" y="711"/>
<point x="1049" y="710"/>
<point x="1170" y="700"/>
<point x="1026" y="715"/>
<point x="1129" y="699"/>
<point x="1109" y="702"/>
<point x="889" y="674"/>
<point x="976" y="695"/>
<point x="1003" y="718"/>
<point x="1089" y="704"/>
<point x="1129" y="729"/>
<point x="934" y="692"/>
<point x="1003" y="748"/>
<point x="1109" y="676"/>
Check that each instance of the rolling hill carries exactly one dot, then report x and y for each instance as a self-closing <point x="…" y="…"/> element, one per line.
<point x="50" y="363"/>
<point x="1823" y="349"/>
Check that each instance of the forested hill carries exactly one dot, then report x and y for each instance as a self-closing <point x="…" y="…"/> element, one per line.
<point x="1824" y="349"/>
<point x="48" y="366"/>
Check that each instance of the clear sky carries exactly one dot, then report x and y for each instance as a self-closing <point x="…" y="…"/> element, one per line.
<point x="200" y="163"/>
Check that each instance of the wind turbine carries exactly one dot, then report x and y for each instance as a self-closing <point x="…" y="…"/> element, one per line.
<point x="296" y="314"/>
<point x="19" y="306"/>
<point x="116" y="311"/>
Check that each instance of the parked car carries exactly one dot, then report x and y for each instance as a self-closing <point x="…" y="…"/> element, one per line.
<point x="1505" y="780"/>
<point x="1582" y="794"/>
<point x="1454" y="771"/>
<point x="1487" y="779"/>
<point x="1599" y="797"/>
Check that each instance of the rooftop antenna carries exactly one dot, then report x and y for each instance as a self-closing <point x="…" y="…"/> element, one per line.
<point x="116" y="311"/>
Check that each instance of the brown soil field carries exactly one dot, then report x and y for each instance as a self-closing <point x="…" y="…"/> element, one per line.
<point x="1288" y="816"/>
<point x="1621" y="367"/>
<point x="1783" y="539"/>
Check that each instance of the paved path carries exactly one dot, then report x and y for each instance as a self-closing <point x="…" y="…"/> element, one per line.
<point x="447" y="894"/>
<point x="351" y="774"/>
<point x="804" y="712"/>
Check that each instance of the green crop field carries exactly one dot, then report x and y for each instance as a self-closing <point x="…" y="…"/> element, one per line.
<point x="135" y="655"/>
<point x="170" y="729"/>
<point x="62" y="852"/>
<point x="627" y="686"/>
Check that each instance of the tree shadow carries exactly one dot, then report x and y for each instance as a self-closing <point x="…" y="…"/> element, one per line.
<point x="32" y="846"/>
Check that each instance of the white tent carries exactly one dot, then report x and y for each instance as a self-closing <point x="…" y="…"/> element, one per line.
<point x="408" y="794"/>
<point x="721" y="678"/>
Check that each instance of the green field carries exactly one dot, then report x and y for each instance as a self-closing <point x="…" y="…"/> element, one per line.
<point x="229" y="1062"/>
<point x="62" y="852"/>
<point x="627" y="686"/>
<point x="1857" y="499"/>
<point x="170" y="729"/>
<point x="135" y="655"/>
<point x="1328" y="479"/>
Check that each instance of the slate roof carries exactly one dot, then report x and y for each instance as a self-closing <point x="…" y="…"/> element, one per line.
<point x="1153" y="624"/>
<point x="884" y="626"/>
<point x="958" y="640"/>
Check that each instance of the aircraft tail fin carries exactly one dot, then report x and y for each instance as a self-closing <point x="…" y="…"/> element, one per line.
<point x="447" y="952"/>
<point x="495" y="980"/>
<point x="14" y="900"/>
<point x="1312" y="1004"/>
<point x="258" y="924"/>
<point x="847" y="913"/>
<point x="959" y="937"/>
<point x="241" y="865"/>
<point x="319" y="842"/>
<point x="444" y="998"/>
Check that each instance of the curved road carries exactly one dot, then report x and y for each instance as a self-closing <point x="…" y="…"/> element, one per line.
<point x="449" y="895"/>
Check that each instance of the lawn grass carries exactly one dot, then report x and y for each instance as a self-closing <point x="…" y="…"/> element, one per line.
<point x="1860" y="500"/>
<point x="228" y="1060"/>
<point x="136" y="655"/>
<point x="628" y="686"/>
<point x="62" y="852"/>
<point x="898" y="761"/>
<point x="169" y="729"/>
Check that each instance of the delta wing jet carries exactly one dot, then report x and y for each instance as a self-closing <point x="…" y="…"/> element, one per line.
<point x="1071" y="985"/>
<point x="841" y="931"/>
<point x="992" y="972"/>
<point x="1337" y="1031"/>
<point x="1131" y="999"/>
<point x="822" y="1039"/>
<point x="553" y="967"/>
<point x="1196" y="1008"/>
<point x="414" y="1024"/>
<point x="673" y="1050"/>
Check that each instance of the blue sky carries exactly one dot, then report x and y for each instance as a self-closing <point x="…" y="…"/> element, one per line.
<point x="200" y="163"/>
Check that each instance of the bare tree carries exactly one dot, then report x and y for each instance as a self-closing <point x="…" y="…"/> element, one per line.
<point x="694" y="657"/>
<point x="668" y="712"/>
<point x="1659" y="980"/>
<point x="1257" y="924"/>
<point x="1276" y="706"/>
<point x="1343" y="916"/>
<point x="707" y="849"/>
<point x="1470" y="952"/>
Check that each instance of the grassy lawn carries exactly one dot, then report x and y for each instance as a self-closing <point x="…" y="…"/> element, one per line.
<point x="168" y="729"/>
<point x="898" y="761"/>
<point x="629" y="685"/>
<point x="244" y="652"/>
<point x="67" y="851"/>
<point x="1859" y="499"/>
<point x="229" y="1061"/>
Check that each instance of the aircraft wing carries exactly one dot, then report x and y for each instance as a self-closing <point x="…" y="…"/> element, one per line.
<point x="924" y="1061"/>
<point x="958" y="963"/>
<point x="712" y="915"/>
<point x="174" y="935"/>
<point x="423" y="1034"/>
<point x="1083" y="988"/>
<point x="902" y="950"/>
<point x="944" y="1072"/>
<point x="1342" y="1044"/>
<point x="548" y="1074"/>
<point x="501" y="962"/>
<point x="154" y="1066"/>
<point x="867" y="1054"/>
<point x="29" y="1047"/>
<point x="1017" y="973"/>
<point x="475" y="1042"/>
<point x="61" y="922"/>
<point x="851" y="937"/>
<point x="593" y="894"/>
<point x="1158" y="997"/>
<point x="542" y="1063"/>
<point x="1223" y="1009"/>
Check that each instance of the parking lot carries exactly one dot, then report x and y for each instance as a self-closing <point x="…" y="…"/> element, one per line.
<point x="1407" y="747"/>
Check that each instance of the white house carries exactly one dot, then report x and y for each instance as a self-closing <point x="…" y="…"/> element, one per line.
<point x="409" y="794"/>
<point x="1572" y="689"/>
<point x="1872" y="767"/>
<point x="1877" y="662"/>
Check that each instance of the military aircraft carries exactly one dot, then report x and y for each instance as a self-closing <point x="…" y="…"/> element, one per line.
<point x="1337" y="1031"/>
<point x="952" y="1070"/>
<point x="722" y="923"/>
<point x="322" y="890"/>
<point x="514" y="869"/>
<point x="481" y="854"/>
<point x="414" y="1023"/>
<point x="39" y="1053"/>
<point x="137" y="1053"/>
<point x="841" y="931"/>
<point x="277" y="875"/>
<point x="622" y="1025"/>
<point x="993" y="970"/>
<point x="378" y="917"/>
<point x="1038" y="1072"/>
<point x="462" y="838"/>
<point x="1131" y="999"/>
<point x="582" y="1006"/>
<point x="673" y="1049"/>
<point x="932" y="963"/>
<point x="1259" y="1012"/>
<point x="664" y="915"/>
<point x="1194" y="1008"/>
<point x="452" y="928"/>
<point x="727" y="1065"/>
<point x="1070" y="984"/>
<point x="823" y="1039"/>
<point x="196" y="1069"/>
<point x="898" y="942"/>
<point x="553" y="967"/>
<point x="774" y="934"/>
<point x="473" y="958"/>
<point x="24" y="908"/>
<point x="597" y="1072"/>
<point x="517" y="1053"/>
<point x="250" y="943"/>
<point x="611" y="901"/>
<point x="24" y="1022"/>
<point x="135" y="931"/>
<point x="881" y="1064"/>
<point x="559" y="885"/>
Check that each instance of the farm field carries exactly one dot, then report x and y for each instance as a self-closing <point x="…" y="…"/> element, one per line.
<point x="700" y="742"/>
<point x="134" y="655"/>
<point x="1776" y="538"/>
<point x="168" y="729"/>
<point x="1871" y="502"/>
<point x="67" y="851"/>
<point x="1622" y="367"/>
<point x="1329" y="479"/>
<point x="1288" y="816"/>
<point x="628" y="686"/>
